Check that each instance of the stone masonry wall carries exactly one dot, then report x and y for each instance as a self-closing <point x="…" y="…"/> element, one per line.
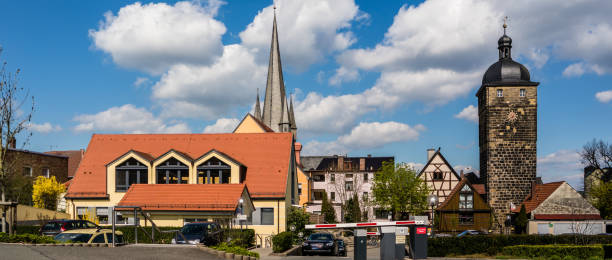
<point x="507" y="145"/>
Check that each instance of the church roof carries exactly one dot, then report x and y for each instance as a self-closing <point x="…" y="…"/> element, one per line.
<point x="267" y="157"/>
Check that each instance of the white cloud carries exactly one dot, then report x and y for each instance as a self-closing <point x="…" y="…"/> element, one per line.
<point x="127" y="119"/>
<point x="44" y="127"/>
<point x="604" y="96"/>
<point x="469" y="113"/>
<point x="223" y="125"/>
<point x="210" y="91"/>
<point x="574" y="70"/>
<point x="141" y="81"/>
<point x="561" y="165"/>
<point x="344" y="75"/>
<point x="307" y="30"/>
<point x="366" y="136"/>
<point x="414" y="166"/>
<point x="152" y="37"/>
<point x="466" y="169"/>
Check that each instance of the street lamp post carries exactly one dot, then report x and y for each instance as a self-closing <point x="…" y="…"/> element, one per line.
<point x="433" y="201"/>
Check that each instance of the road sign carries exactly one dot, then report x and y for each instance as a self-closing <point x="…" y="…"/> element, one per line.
<point x="241" y="217"/>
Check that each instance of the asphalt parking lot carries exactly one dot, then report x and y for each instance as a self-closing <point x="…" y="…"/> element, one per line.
<point x="16" y="251"/>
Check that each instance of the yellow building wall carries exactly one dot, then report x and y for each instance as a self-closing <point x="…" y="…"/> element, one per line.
<point x="303" y="180"/>
<point x="248" y="125"/>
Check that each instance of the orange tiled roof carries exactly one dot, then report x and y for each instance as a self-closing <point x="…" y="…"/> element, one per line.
<point x="184" y="197"/>
<point x="480" y="188"/>
<point x="74" y="158"/>
<point x="542" y="192"/>
<point x="266" y="156"/>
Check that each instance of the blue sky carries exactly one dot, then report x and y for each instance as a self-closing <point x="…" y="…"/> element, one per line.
<point x="368" y="77"/>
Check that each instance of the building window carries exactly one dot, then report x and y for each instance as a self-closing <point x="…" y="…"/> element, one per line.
<point x="102" y="215"/>
<point x="130" y="172"/>
<point x="365" y="177"/>
<point x="81" y="212"/>
<point x="500" y="93"/>
<point x="365" y="197"/>
<point x="438" y="176"/>
<point x="27" y="171"/>
<point x="267" y="216"/>
<point x="466" y="218"/>
<point x="214" y="171"/>
<point x="318" y="177"/>
<point x="348" y="176"/>
<point x="348" y="186"/>
<point x="522" y="92"/>
<point x="381" y="213"/>
<point x="317" y="194"/>
<point x="172" y="171"/>
<point x="332" y="177"/>
<point x="299" y="189"/>
<point x="191" y="220"/>
<point x="332" y="196"/>
<point x="466" y="198"/>
<point x="45" y="172"/>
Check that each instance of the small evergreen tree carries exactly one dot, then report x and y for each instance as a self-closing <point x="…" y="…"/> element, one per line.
<point x="327" y="210"/>
<point x="521" y="221"/>
<point x="355" y="208"/>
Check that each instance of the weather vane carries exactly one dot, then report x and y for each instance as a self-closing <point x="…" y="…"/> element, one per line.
<point x="505" y="24"/>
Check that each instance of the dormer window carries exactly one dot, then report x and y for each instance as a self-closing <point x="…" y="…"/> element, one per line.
<point x="500" y="93"/>
<point x="130" y="172"/>
<point x="466" y="198"/>
<point x="214" y="171"/>
<point x="172" y="171"/>
<point x="522" y="92"/>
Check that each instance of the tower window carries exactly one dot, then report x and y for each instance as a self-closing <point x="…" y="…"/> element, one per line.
<point x="522" y="92"/>
<point x="500" y="93"/>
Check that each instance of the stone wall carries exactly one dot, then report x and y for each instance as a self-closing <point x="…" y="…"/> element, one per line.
<point x="507" y="142"/>
<point x="57" y="165"/>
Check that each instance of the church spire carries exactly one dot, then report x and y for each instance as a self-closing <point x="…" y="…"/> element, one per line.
<point x="257" y="107"/>
<point x="275" y="101"/>
<point x="292" y="118"/>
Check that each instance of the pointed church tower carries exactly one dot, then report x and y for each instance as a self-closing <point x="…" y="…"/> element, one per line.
<point x="257" y="107"/>
<point x="292" y="118"/>
<point x="275" y="112"/>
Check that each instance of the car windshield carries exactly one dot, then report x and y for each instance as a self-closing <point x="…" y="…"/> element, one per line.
<point x="340" y="242"/>
<point x="50" y="226"/>
<point x="193" y="229"/>
<point x="320" y="236"/>
<point x="73" y="237"/>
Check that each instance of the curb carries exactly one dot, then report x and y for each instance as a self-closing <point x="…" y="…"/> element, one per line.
<point x="225" y="255"/>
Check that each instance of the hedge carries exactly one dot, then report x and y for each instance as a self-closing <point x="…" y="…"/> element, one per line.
<point x="26" y="238"/>
<point x="282" y="242"/>
<point x="493" y="244"/>
<point x="567" y="251"/>
<point x="235" y="237"/>
<point x="28" y="229"/>
<point x="235" y="249"/>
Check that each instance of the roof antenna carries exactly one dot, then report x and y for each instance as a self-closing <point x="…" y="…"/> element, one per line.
<point x="505" y="24"/>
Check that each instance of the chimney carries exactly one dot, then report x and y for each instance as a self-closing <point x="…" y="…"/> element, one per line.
<point x="340" y="162"/>
<point x="362" y="164"/>
<point x="369" y="156"/>
<point x="298" y="149"/>
<point x="12" y="143"/>
<point x="430" y="153"/>
<point x="462" y="174"/>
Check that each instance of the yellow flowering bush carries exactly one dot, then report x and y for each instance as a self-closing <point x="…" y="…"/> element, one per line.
<point x="45" y="192"/>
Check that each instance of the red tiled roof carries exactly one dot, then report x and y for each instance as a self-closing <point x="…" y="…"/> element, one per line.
<point x="184" y="197"/>
<point x="567" y="216"/>
<point x="74" y="158"/>
<point x="266" y="156"/>
<point x="542" y="192"/>
<point x="67" y="184"/>
<point x="480" y="188"/>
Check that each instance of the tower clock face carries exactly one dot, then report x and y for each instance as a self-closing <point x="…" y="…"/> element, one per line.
<point x="512" y="117"/>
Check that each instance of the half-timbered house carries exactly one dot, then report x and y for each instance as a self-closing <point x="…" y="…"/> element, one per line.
<point x="439" y="175"/>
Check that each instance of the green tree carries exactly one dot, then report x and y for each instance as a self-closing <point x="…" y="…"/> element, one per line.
<point x="328" y="210"/>
<point x="602" y="199"/>
<point x="399" y="189"/>
<point x="520" y="226"/>
<point x="352" y="209"/>
<point x="46" y="192"/>
<point x="298" y="218"/>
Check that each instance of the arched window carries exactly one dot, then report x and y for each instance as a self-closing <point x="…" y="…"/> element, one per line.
<point x="214" y="171"/>
<point x="128" y="173"/>
<point x="172" y="171"/>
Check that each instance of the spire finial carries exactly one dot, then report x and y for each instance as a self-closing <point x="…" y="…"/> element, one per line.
<point x="505" y="24"/>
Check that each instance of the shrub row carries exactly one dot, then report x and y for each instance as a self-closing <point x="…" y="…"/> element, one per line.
<point x="28" y="229"/>
<point x="547" y="251"/>
<point x="160" y="238"/>
<point x="235" y="237"/>
<point x="26" y="238"/>
<point x="493" y="244"/>
<point x="235" y="249"/>
<point x="282" y="242"/>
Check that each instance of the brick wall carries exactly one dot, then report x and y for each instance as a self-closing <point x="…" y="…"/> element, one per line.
<point x="57" y="165"/>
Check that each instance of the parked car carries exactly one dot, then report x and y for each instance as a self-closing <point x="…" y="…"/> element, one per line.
<point x="208" y="233"/>
<point x="471" y="233"/>
<point x="320" y="243"/>
<point x="341" y="247"/>
<point x="54" y="227"/>
<point x="89" y="236"/>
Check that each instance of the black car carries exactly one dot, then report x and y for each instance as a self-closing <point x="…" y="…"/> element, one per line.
<point x="341" y="247"/>
<point x="54" y="227"/>
<point x="320" y="243"/>
<point x="208" y="233"/>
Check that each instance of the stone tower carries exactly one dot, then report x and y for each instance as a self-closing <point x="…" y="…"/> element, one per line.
<point x="276" y="112"/>
<point x="507" y="115"/>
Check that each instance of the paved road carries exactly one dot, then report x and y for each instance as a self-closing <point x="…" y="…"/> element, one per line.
<point x="8" y="251"/>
